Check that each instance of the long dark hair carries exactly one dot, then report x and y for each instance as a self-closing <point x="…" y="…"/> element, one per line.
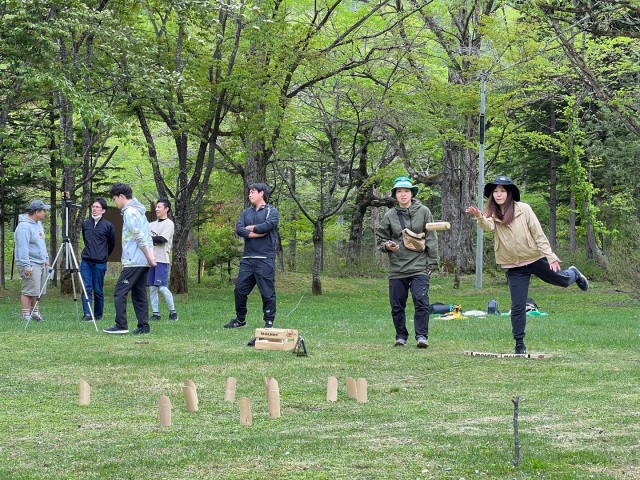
<point x="492" y="209"/>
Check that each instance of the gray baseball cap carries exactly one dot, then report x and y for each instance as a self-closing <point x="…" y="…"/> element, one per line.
<point x="38" y="205"/>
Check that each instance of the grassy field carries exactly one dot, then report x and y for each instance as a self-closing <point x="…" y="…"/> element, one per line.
<point x="431" y="414"/>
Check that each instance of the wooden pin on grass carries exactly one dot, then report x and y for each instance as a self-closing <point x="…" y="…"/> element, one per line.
<point x="246" y="418"/>
<point x="361" y="393"/>
<point x="332" y="389"/>
<point x="190" y="396"/>
<point x="273" y="398"/>
<point x="164" y="411"/>
<point x="85" y="393"/>
<point x="230" y="392"/>
<point x="352" y="389"/>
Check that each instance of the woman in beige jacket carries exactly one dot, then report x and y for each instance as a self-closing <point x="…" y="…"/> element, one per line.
<point x="522" y="248"/>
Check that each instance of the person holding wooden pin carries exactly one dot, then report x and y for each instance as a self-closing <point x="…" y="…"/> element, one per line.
<point x="413" y="254"/>
<point x="522" y="248"/>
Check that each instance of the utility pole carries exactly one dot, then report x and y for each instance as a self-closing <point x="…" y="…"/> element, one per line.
<point x="479" y="232"/>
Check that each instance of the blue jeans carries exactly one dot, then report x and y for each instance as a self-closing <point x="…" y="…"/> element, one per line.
<point x="93" y="279"/>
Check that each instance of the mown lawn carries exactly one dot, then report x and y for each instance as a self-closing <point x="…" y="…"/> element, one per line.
<point x="431" y="414"/>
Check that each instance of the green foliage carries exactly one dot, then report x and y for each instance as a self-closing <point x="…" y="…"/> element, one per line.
<point x="217" y="244"/>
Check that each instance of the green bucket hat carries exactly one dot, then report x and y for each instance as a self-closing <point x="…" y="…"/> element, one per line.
<point x="403" y="182"/>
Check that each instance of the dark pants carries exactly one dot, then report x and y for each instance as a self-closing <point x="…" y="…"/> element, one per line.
<point x="93" y="279"/>
<point x="261" y="272"/>
<point x="398" y="293"/>
<point x="134" y="280"/>
<point x="519" y="279"/>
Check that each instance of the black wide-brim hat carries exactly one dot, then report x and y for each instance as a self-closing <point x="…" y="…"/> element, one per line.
<point x="507" y="183"/>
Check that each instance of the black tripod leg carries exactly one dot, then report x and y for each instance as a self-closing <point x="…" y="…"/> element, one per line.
<point x="84" y="290"/>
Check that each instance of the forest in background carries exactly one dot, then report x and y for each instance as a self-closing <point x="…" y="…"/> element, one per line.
<point x="327" y="102"/>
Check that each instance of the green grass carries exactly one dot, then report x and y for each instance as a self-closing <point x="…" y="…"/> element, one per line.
<point x="432" y="414"/>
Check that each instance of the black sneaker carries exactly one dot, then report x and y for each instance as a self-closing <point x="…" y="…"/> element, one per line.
<point x="268" y="324"/>
<point x="252" y="342"/>
<point x="235" y="323"/>
<point x="155" y="316"/>
<point x="521" y="349"/>
<point x="99" y="317"/>
<point x="173" y="315"/>
<point x="140" y="331"/>
<point x="87" y="318"/>
<point x="116" y="329"/>
<point x="581" y="281"/>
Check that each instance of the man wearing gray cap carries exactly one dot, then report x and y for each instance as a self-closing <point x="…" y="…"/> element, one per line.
<point x="32" y="258"/>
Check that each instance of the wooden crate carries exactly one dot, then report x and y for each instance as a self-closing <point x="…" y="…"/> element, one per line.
<point x="276" y="339"/>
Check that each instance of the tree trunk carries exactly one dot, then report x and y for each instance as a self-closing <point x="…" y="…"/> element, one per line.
<point x="354" y="247"/>
<point x="2" y="233"/>
<point x="183" y="217"/>
<point x="553" y="183"/>
<point x="255" y="167"/>
<point x="458" y="191"/>
<point x="572" y="223"/>
<point x="592" y="243"/>
<point x="318" y="246"/>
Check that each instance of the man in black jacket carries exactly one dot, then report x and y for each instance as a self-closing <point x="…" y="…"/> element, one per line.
<point x="99" y="241"/>
<point x="258" y="226"/>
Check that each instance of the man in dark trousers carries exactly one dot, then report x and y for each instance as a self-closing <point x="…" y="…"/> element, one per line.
<point x="258" y="226"/>
<point x="99" y="241"/>
<point x="137" y="256"/>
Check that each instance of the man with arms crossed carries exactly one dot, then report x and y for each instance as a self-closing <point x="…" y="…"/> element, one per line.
<point x="158" y="279"/>
<point x="258" y="226"/>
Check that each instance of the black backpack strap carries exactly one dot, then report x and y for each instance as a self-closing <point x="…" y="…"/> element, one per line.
<point x="401" y="218"/>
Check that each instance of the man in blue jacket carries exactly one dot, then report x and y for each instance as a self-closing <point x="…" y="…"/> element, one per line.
<point x="99" y="241"/>
<point x="137" y="256"/>
<point x="258" y="226"/>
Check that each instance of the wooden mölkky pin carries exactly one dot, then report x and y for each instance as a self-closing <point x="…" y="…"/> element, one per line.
<point x="332" y="389"/>
<point x="164" y="411"/>
<point x="191" y="384"/>
<point x="85" y="392"/>
<point x="273" y="398"/>
<point x="246" y="418"/>
<point x="190" y="398"/>
<point x="361" y="394"/>
<point x="352" y="389"/>
<point x="266" y="386"/>
<point x="230" y="393"/>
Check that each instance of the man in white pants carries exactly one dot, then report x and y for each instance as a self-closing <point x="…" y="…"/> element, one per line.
<point x="158" y="279"/>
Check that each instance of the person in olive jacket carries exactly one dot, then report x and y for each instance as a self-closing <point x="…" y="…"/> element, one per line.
<point x="522" y="248"/>
<point x="409" y="270"/>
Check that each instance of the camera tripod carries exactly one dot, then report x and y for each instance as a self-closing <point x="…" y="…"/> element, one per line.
<point x="72" y="268"/>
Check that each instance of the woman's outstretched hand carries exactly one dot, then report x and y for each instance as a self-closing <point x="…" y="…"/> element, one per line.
<point x="474" y="211"/>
